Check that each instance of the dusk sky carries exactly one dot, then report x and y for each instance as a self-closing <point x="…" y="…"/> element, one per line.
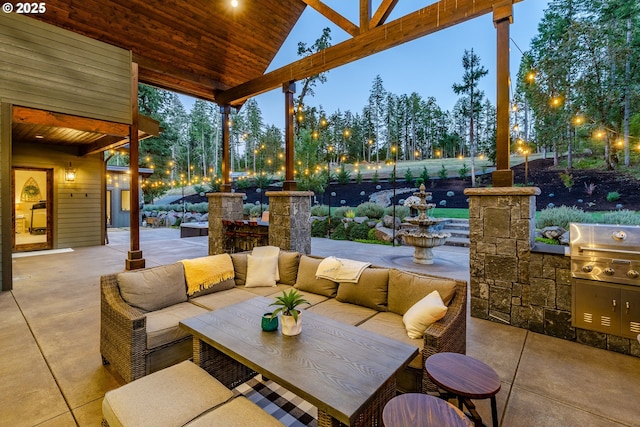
<point x="428" y="66"/>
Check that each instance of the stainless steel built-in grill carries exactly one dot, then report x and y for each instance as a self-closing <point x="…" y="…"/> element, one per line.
<point x="605" y="265"/>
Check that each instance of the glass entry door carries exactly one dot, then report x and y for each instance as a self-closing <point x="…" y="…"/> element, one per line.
<point x="32" y="213"/>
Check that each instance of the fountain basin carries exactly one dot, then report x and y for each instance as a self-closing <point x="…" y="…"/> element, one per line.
<point x="423" y="243"/>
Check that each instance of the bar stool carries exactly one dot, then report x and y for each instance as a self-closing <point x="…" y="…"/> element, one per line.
<point x="230" y="236"/>
<point x="417" y="409"/>
<point x="242" y="235"/>
<point x="466" y="378"/>
<point x="255" y="234"/>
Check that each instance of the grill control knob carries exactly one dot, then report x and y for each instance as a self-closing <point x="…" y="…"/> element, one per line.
<point x="609" y="271"/>
<point x="633" y="274"/>
<point x="587" y="268"/>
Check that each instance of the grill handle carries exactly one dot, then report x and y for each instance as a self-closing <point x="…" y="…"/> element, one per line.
<point x="615" y="251"/>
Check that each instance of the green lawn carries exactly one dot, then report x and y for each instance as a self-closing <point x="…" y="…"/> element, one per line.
<point x="464" y="214"/>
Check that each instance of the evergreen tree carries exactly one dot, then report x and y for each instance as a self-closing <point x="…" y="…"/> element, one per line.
<point x="473" y="72"/>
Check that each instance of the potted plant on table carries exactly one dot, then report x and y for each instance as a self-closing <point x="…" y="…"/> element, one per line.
<point x="287" y="304"/>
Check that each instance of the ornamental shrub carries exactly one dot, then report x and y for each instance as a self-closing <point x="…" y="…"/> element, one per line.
<point x="243" y="184"/>
<point x="371" y="234"/>
<point x="370" y="209"/>
<point x="463" y="171"/>
<point x="425" y="175"/>
<point x="198" y="207"/>
<point x="339" y="212"/>
<point x="623" y="217"/>
<point x="613" y="196"/>
<point x="199" y="188"/>
<point x="561" y="216"/>
<point x="256" y="210"/>
<point x="358" y="231"/>
<point x="567" y="179"/>
<point x="320" y="210"/>
<point x="408" y="176"/>
<point x="401" y="211"/>
<point x="339" y="232"/>
<point x="319" y="228"/>
<point x="442" y="173"/>
<point x="359" y="177"/>
<point x="246" y="208"/>
<point x="376" y="177"/>
<point x="343" y="175"/>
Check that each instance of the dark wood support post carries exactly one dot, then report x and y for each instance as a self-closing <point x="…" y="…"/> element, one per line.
<point x="289" y="183"/>
<point x="134" y="260"/>
<point x="225" y="110"/>
<point x="502" y="19"/>
<point x="6" y="201"/>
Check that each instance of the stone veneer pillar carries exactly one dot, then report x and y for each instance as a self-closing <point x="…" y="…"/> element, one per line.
<point x="222" y="206"/>
<point x="501" y="233"/>
<point x="289" y="220"/>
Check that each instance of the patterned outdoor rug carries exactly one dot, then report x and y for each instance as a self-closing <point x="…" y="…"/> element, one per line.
<point x="290" y="409"/>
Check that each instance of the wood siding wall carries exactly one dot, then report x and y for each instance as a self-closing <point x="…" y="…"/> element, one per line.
<point x="77" y="206"/>
<point x="52" y="69"/>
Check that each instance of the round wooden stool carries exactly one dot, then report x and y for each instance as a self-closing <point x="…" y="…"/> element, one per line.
<point x="417" y="409"/>
<point x="466" y="378"/>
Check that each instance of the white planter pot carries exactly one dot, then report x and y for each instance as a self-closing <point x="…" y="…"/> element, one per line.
<point x="290" y="327"/>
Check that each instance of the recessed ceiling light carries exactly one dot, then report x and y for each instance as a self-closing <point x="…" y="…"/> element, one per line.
<point x="234" y="3"/>
<point x="39" y="136"/>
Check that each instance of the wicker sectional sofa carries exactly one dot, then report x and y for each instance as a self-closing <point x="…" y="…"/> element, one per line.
<point x="141" y="311"/>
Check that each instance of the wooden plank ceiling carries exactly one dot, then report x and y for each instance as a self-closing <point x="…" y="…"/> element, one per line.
<point x="196" y="47"/>
<point x="210" y="50"/>
<point x="88" y="136"/>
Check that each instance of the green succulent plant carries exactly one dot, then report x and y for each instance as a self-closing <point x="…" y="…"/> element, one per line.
<point x="287" y="303"/>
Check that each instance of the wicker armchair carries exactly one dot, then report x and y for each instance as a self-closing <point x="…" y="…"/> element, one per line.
<point x="123" y="337"/>
<point x="448" y="334"/>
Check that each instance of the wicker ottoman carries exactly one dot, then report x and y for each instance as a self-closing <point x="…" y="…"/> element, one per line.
<point x="170" y="397"/>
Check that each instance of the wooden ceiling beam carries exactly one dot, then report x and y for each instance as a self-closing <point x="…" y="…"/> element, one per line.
<point x="365" y="15"/>
<point x="382" y="13"/>
<point x="437" y="16"/>
<point x="107" y="142"/>
<point x="32" y="116"/>
<point x="334" y="17"/>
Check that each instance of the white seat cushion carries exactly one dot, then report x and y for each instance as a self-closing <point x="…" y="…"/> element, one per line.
<point x="240" y="412"/>
<point x="390" y="325"/>
<point x="170" y="397"/>
<point x="344" y="312"/>
<point x="223" y="298"/>
<point x="163" y="325"/>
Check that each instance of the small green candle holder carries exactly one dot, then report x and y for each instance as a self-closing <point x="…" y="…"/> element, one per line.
<point x="269" y="324"/>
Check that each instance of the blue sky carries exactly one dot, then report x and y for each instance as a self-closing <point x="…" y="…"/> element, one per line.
<point x="428" y="66"/>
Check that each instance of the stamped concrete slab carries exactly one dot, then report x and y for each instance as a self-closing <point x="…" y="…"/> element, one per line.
<point x="71" y="344"/>
<point x="497" y="345"/>
<point x="528" y="409"/>
<point x="600" y="381"/>
<point x="28" y="392"/>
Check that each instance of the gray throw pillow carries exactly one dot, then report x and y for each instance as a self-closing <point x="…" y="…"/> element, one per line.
<point x="154" y="288"/>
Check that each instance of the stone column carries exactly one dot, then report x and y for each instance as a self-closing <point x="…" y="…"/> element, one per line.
<point x="222" y="206"/>
<point x="501" y="233"/>
<point x="289" y="220"/>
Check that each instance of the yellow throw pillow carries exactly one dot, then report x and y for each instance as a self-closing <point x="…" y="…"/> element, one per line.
<point x="428" y="310"/>
<point x="261" y="271"/>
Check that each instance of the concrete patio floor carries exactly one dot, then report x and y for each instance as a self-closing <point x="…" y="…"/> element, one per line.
<point x="51" y="372"/>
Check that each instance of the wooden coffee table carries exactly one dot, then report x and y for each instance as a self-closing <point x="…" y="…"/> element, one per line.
<point x="467" y="378"/>
<point x="348" y="373"/>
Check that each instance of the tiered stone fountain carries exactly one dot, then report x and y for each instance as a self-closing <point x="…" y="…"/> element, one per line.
<point x="426" y="236"/>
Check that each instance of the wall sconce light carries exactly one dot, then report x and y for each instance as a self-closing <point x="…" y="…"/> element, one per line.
<point x="69" y="174"/>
